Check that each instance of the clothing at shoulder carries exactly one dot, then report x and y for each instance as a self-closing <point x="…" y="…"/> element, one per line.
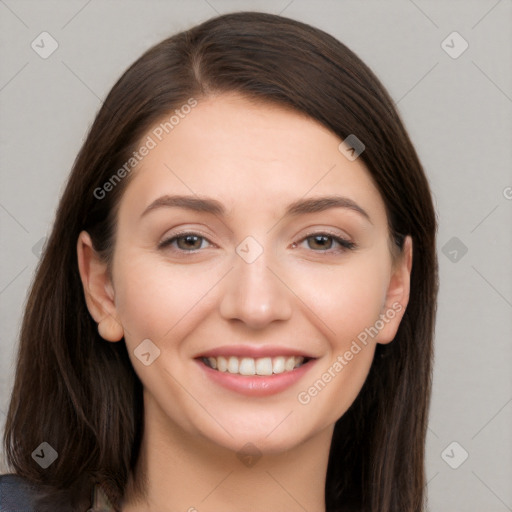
<point x="17" y="494"/>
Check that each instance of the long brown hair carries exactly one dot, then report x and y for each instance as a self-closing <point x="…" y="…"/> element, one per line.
<point x="81" y="394"/>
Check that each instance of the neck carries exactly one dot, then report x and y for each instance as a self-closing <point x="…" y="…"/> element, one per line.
<point x="179" y="471"/>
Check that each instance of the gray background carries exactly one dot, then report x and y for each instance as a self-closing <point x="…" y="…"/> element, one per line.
<point x="458" y="113"/>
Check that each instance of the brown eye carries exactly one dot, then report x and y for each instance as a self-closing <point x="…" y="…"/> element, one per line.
<point x="320" y="242"/>
<point x="186" y="242"/>
<point x="325" y="242"/>
<point x="189" y="242"/>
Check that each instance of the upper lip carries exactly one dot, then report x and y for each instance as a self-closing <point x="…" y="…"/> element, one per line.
<point x="254" y="351"/>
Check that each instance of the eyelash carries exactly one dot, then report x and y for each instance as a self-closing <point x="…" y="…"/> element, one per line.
<point x="346" y="245"/>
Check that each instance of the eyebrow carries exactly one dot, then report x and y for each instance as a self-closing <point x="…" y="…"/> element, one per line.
<point x="299" y="207"/>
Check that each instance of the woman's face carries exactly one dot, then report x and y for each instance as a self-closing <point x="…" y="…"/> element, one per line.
<point x="246" y="236"/>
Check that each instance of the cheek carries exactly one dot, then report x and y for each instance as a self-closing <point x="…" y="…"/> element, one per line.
<point x="349" y="300"/>
<point x="152" y="297"/>
<point x="348" y="303"/>
<point x="346" y="299"/>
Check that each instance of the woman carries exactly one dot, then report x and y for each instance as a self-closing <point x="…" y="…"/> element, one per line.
<point x="235" y="308"/>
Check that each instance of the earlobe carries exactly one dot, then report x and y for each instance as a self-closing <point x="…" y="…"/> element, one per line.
<point x="98" y="289"/>
<point x="110" y="329"/>
<point x="397" y="296"/>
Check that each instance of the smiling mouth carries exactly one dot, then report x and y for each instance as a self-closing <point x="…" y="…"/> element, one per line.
<point x="248" y="366"/>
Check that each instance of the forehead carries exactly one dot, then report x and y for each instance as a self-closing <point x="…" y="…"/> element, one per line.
<point x="249" y="156"/>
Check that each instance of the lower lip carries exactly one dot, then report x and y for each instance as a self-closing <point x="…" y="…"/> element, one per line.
<point x="257" y="385"/>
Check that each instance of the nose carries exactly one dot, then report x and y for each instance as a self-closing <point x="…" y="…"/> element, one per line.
<point x="254" y="295"/>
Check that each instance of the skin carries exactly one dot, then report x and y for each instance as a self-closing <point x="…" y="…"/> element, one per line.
<point x="255" y="159"/>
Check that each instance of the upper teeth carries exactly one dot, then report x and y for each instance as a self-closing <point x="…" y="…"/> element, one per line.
<point x="251" y="366"/>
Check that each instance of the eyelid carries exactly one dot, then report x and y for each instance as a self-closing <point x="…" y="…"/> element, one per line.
<point x="327" y="231"/>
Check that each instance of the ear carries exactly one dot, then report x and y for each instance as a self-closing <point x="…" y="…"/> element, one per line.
<point x="98" y="289"/>
<point x="397" y="295"/>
